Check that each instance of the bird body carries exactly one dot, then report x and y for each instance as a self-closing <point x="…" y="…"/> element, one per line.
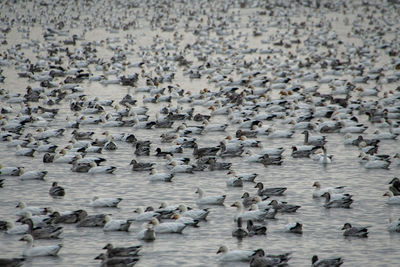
<point x="392" y="200"/>
<point x="31" y="251"/>
<point x="318" y="192"/>
<point x="147" y="234"/>
<point x="121" y="251"/>
<point x="33" y="175"/>
<point x="259" y="259"/>
<point x="296" y="228"/>
<point x="200" y="214"/>
<point x="160" y="177"/>
<point x="145" y="216"/>
<point x="104" y="202"/>
<point x="209" y="200"/>
<point x="356" y="231"/>
<point x="56" y="190"/>
<point x="337" y="200"/>
<point x="116" y="225"/>
<point x="16" y="229"/>
<point x="10" y="171"/>
<point x="255" y="215"/>
<point x="274" y="191"/>
<point x="234" y="255"/>
<point x="12" y="262"/>
<point x="33" y="210"/>
<point x="101" y="169"/>
<point x="394" y="226"/>
<point x="167" y="227"/>
<point x="332" y="262"/>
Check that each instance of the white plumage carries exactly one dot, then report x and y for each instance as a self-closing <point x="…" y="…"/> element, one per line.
<point x="234" y="255"/>
<point x="104" y="202"/>
<point x="32" y="251"/>
<point x="209" y="200"/>
<point x="167" y="227"/>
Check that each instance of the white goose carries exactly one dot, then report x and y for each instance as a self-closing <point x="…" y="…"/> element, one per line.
<point x="324" y="159"/>
<point x="24" y="151"/>
<point x="262" y="204"/>
<point x="10" y="171"/>
<point x="116" y="225"/>
<point x="45" y="147"/>
<point x="167" y="227"/>
<point x="208" y="127"/>
<point x="145" y="216"/>
<point x="234" y="255"/>
<point x="384" y="135"/>
<point x="34" y="210"/>
<point x="254" y="215"/>
<point x="100" y="169"/>
<point x="234" y="181"/>
<point x="318" y="192"/>
<point x="32" y="251"/>
<point x="64" y="157"/>
<point x="394" y="226"/>
<point x="392" y="200"/>
<point x="165" y="208"/>
<point x="254" y="157"/>
<point x="232" y="145"/>
<point x="13" y="229"/>
<point x="272" y="152"/>
<point x="104" y="202"/>
<point x="209" y="200"/>
<point x="181" y="168"/>
<point x="267" y="213"/>
<point x="246" y="177"/>
<point x="36" y="219"/>
<point x="15" y="142"/>
<point x="163" y="177"/>
<point x="248" y="142"/>
<point x="185" y="220"/>
<point x="32" y="175"/>
<point x="147" y="234"/>
<point x="195" y="214"/>
<point x="376" y="163"/>
<point x="280" y="133"/>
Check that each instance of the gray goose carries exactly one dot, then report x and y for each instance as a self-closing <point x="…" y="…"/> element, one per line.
<point x="56" y="190"/>
<point x="46" y="232"/>
<point x="333" y="262"/>
<point x="273" y="191"/>
<point x="121" y="251"/>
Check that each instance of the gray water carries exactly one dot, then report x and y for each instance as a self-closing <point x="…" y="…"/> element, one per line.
<point x="198" y="246"/>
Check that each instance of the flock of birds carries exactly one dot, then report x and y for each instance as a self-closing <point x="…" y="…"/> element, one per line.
<point x="243" y="88"/>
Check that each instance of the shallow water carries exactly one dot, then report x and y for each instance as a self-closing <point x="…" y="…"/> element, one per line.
<point x="198" y="246"/>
